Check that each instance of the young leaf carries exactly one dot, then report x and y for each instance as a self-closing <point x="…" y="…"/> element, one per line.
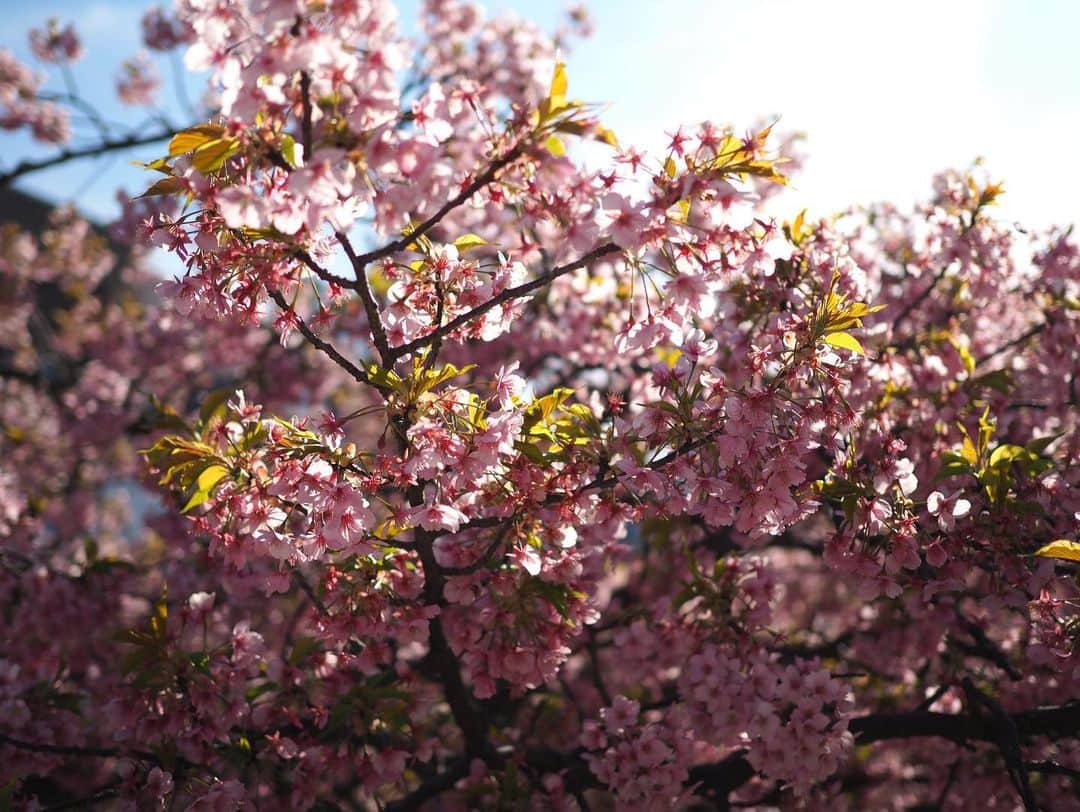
<point x="1062" y="549"/>
<point x="204" y="486"/>
<point x="165" y="186"/>
<point x="292" y="152"/>
<point x="606" y="136"/>
<point x="211" y="156"/>
<point x="555" y="146"/>
<point x="469" y="241"/>
<point x="194" y="137"/>
<point x="557" y="95"/>
<point x="844" y="341"/>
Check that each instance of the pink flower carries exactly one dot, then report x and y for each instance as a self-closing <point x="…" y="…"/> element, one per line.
<point x="623" y="713"/>
<point x="138" y="81"/>
<point x="947" y="509"/>
<point x="437" y="516"/>
<point x="56" y="44"/>
<point x="623" y="221"/>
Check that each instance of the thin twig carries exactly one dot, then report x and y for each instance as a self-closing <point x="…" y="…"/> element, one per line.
<point x="519" y="292"/>
<point x="325" y="346"/>
<point x="482" y="180"/>
<point x="323" y="274"/>
<point x="26" y="167"/>
<point x="918" y="300"/>
<point x="1008" y="345"/>
<point x="378" y="332"/>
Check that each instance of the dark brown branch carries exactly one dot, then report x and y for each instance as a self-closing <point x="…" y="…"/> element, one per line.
<point x="1008" y="345"/>
<point x="61" y="749"/>
<point x="78" y="752"/>
<point x="467" y="715"/>
<point x="305" y="123"/>
<point x="104" y="793"/>
<point x="430" y="789"/>
<point x="1008" y="741"/>
<point x="106" y="146"/>
<point x="371" y="308"/>
<point x="1052" y="768"/>
<point x="985" y="648"/>
<point x="305" y="587"/>
<point x="324" y="346"/>
<point x="918" y="300"/>
<point x="519" y="292"/>
<point x="482" y="180"/>
<point x="324" y="274"/>
<point x="725" y="776"/>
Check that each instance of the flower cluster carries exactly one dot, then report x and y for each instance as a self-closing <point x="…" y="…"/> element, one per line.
<point x="474" y="459"/>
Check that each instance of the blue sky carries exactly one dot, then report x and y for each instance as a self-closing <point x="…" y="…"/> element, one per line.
<point x="888" y="93"/>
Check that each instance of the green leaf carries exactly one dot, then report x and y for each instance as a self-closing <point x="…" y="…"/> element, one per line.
<point x="998" y="380"/>
<point x="559" y="84"/>
<point x="382" y="377"/>
<point x="200" y="661"/>
<point x="968" y="451"/>
<point x="7" y="796"/>
<point x="1005" y="454"/>
<point x="254" y="692"/>
<point x="288" y="151"/>
<point x="844" y="341"/>
<point x="160" y="616"/>
<point x="606" y="136"/>
<point x="301" y="649"/>
<point x="1038" y="446"/>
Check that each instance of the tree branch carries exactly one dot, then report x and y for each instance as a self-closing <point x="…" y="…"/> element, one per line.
<point x="326" y="347"/>
<point x="723" y="777"/>
<point x="324" y="274"/>
<point x="1008" y="345"/>
<point x="479" y="183"/>
<point x="72" y="750"/>
<point x="371" y="308"/>
<point x="519" y="292"/>
<point x="305" y="123"/>
<point x="26" y="167"/>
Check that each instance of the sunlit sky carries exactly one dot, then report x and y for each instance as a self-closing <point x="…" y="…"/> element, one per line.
<point x="888" y="93"/>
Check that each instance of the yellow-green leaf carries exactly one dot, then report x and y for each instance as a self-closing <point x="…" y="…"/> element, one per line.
<point x="844" y="341"/>
<point x="194" y="137"/>
<point x="204" y="486"/>
<point x="1062" y="548"/>
<point x="211" y="156"/>
<point x="469" y="241"/>
<point x="557" y="96"/>
<point x="165" y="186"/>
<point x="158" y="165"/>
<point x="1005" y="454"/>
<point x="555" y="146"/>
<point x="796" y="230"/>
<point x="292" y="152"/>
<point x="160" y="615"/>
<point x="968" y="450"/>
<point x="607" y="136"/>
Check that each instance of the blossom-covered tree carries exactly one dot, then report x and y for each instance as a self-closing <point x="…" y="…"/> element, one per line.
<point x="477" y="460"/>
